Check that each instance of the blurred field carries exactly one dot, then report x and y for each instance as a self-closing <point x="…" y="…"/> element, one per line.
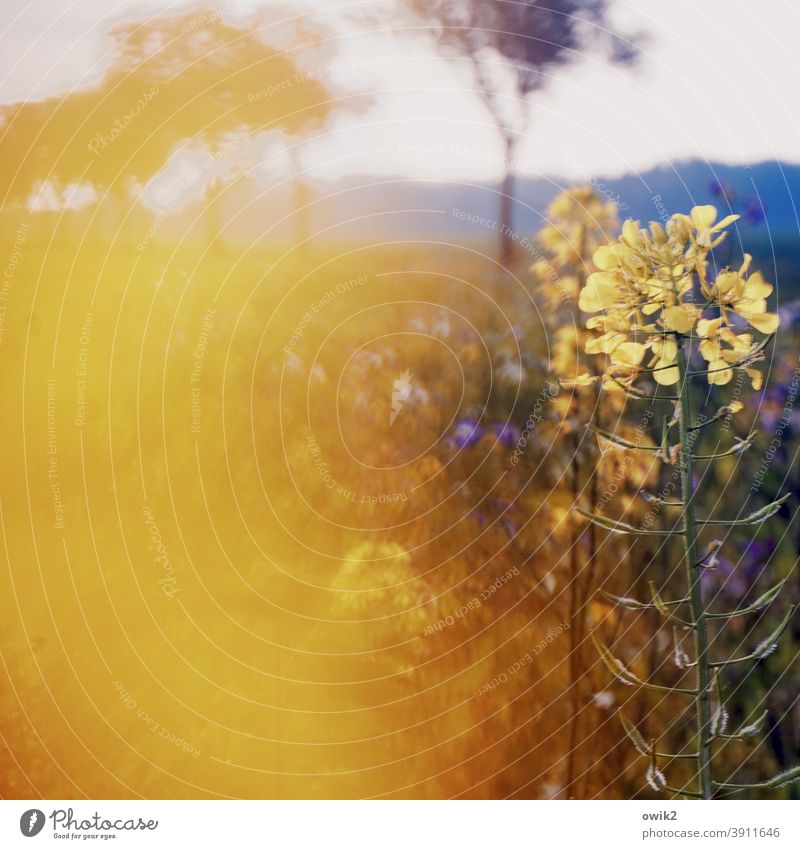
<point x="277" y="633"/>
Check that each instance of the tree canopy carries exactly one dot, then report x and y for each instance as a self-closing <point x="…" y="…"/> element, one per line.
<point x="173" y="81"/>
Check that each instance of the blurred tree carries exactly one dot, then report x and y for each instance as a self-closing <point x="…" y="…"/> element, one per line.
<point x="514" y="47"/>
<point x="190" y="82"/>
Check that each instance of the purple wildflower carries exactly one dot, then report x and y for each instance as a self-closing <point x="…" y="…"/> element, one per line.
<point x="726" y="581"/>
<point x="467" y="432"/>
<point x="790" y="314"/>
<point x="756" y="557"/>
<point x="753" y="212"/>
<point x="507" y="434"/>
<point x="723" y="193"/>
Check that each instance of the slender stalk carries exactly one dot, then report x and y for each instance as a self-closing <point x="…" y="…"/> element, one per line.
<point x="693" y="572"/>
<point x="574" y="665"/>
<point x="577" y="599"/>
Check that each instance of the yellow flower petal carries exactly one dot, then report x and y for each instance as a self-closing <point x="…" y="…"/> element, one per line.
<point x="598" y="294"/>
<point x="765" y="322"/>
<point x="604" y="344"/>
<point x="666" y="376"/>
<point x="631" y="234"/>
<point x="703" y="216"/>
<point x="666" y="349"/>
<point x="756" y="378"/>
<point x="584" y="379"/>
<point x="679" y="319"/>
<point x="719" y="373"/>
<point x="729" y="284"/>
<point x="628" y="354"/>
<point x="611" y="386"/>
<point x="738" y="341"/>
<point x="606" y="257"/>
<point x="708" y="326"/>
<point x="728" y="219"/>
<point x="746" y="260"/>
<point x="756" y="287"/>
<point x="710" y="350"/>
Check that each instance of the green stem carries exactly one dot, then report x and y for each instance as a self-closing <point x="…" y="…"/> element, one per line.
<point x="693" y="572"/>
<point x="574" y="616"/>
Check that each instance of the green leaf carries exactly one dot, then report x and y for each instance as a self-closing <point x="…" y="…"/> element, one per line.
<point x="658" y="602"/>
<point x="739" y="447"/>
<point x="769" y="510"/>
<point x="635" y="604"/>
<point x="663" y="608"/>
<point x="633" y="735"/>
<point x="621" y="672"/>
<point x="619" y="441"/>
<point x="628" y="603"/>
<point x="754" y="518"/>
<point x="655" y="778"/>
<point x="679" y="656"/>
<point x="719" y="721"/>
<point x="759" y="604"/>
<point x="789" y="776"/>
<point x="765" y="647"/>
<point x="617" y="527"/>
<point x="768" y="646"/>
<point x="615" y="666"/>
<point x="753" y="728"/>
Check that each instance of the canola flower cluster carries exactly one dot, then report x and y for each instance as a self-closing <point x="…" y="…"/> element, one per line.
<point x="644" y="294"/>
<point x="578" y="224"/>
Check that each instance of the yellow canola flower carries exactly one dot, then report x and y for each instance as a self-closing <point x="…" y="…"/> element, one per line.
<point x="584" y="379"/>
<point x="600" y="293"/>
<point x="680" y="318"/>
<point x="606" y="258"/>
<point x="649" y="275"/>
<point x="610" y="321"/>
<point x="702" y="219"/>
<point x="664" y="362"/>
<point x="605" y="344"/>
<point x="719" y="372"/>
<point x="578" y="220"/>
<point x="746" y="295"/>
<point x="756" y="378"/>
<point x="628" y="354"/>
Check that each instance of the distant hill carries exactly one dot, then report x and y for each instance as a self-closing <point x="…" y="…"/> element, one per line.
<point x="768" y="195"/>
<point x="358" y="209"/>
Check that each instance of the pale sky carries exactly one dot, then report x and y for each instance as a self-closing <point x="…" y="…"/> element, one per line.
<point x="716" y="81"/>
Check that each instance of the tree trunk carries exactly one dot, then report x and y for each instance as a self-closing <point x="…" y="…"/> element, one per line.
<point x="506" y="246"/>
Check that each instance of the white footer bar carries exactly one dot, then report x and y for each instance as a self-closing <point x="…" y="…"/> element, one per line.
<point x="401" y="824"/>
